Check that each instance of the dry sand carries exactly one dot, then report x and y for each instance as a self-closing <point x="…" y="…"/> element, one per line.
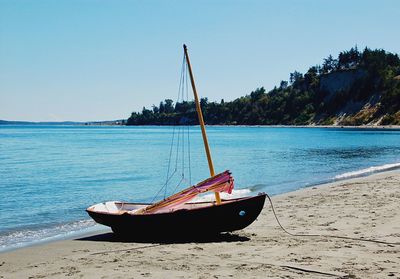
<point x="366" y="208"/>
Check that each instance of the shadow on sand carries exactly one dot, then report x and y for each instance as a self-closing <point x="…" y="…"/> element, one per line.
<point x="111" y="237"/>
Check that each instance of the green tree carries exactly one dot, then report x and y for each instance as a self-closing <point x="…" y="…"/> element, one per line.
<point x="169" y="108"/>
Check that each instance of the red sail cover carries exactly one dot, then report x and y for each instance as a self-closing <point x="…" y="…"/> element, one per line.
<point x="222" y="182"/>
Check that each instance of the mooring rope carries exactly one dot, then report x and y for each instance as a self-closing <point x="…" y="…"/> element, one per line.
<point x="325" y="235"/>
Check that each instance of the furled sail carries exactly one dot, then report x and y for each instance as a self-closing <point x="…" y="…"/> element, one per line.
<point x="222" y="182"/>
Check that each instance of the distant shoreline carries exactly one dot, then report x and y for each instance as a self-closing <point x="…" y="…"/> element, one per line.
<point x="69" y="123"/>
<point x="112" y="123"/>
<point x="396" y="127"/>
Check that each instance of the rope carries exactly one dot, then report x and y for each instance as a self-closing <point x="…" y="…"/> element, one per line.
<point x="188" y="130"/>
<point x="169" y="162"/>
<point x="178" y="163"/>
<point x="124" y="250"/>
<point x="168" y="178"/>
<point x="190" y="167"/>
<point x="159" y="191"/>
<point x="326" y="236"/>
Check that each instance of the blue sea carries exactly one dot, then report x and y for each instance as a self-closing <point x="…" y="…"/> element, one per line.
<point x="50" y="174"/>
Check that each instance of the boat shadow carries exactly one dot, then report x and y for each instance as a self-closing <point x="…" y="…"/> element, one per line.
<point x="111" y="237"/>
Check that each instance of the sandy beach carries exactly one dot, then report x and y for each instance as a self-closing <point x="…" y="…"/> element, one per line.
<point x="360" y="209"/>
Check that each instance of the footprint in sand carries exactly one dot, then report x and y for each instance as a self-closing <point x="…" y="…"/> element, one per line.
<point x="197" y="248"/>
<point x="70" y="270"/>
<point x="224" y="256"/>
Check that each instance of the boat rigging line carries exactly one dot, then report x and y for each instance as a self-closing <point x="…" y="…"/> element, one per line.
<point x="180" y="143"/>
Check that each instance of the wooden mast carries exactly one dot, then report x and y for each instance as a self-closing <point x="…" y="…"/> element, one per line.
<point x="201" y="121"/>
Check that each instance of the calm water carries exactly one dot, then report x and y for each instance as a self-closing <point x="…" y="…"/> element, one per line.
<point x="50" y="174"/>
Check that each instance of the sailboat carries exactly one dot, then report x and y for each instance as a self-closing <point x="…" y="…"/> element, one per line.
<point x="178" y="214"/>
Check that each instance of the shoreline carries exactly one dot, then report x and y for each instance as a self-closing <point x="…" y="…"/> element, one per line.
<point x="88" y="124"/>
<point x="88" y="231"/>
<point x="97" y="228"/>
<point x="363" y="207"/>
<point x="380" y="127"/>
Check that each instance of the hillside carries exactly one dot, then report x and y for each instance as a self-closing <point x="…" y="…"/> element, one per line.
<point x="356" y="88"/>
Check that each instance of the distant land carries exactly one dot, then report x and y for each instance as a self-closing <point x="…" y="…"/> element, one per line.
<point x="7" y="122"/>
<point x="108" y="122"/>
<point x="356" y="88"/>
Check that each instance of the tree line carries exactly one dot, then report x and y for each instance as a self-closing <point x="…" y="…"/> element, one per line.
<point x="301" y="100"/>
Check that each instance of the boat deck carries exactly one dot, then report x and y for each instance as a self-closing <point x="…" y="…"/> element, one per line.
<point x="118" y="207"/>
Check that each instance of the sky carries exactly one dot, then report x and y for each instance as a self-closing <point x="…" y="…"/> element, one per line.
<point x="88" y="60"/>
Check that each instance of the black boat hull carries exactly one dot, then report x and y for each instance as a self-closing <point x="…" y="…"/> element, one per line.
<point x="229" y="216"/>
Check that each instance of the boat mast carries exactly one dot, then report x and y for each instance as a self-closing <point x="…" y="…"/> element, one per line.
<point x="201" y="121"/>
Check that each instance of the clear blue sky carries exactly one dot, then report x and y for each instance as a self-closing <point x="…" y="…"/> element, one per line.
<point x="101" y="60"/>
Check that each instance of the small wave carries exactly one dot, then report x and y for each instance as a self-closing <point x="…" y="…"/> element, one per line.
<point x="235" y="194"/>
<point x="367" y="171"/>
<point x="257" y="187"/>
<point x="25" y="237"/>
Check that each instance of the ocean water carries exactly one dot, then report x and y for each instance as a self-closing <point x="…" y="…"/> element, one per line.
<point x="49" y="175"/>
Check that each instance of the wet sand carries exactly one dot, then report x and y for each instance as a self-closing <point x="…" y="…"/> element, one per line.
<point x="360" y="209"/>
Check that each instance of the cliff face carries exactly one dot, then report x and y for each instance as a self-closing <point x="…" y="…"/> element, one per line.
<point x="340" y="81"/>
<point x="338" y="84"/>
<point x="347" y="85"/>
